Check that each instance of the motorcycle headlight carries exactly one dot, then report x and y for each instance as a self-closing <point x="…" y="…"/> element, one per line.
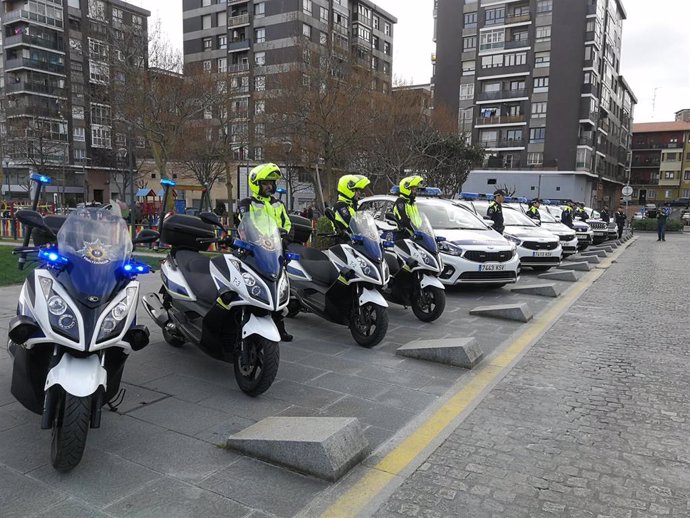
<point x="284" y="293"/>
<point x="115" y="319"/>
<point x="56" y="305"/>
<point x="62" y="318"/>
<point x="249" y="279"/>
<point x="450" y="248"/>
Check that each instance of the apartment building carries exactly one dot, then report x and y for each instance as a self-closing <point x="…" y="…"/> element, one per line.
<point x="57" y="65"/>
<point x="250" y="40"/>
<point x="538" y="84"/>
<point x="660" y="162"/>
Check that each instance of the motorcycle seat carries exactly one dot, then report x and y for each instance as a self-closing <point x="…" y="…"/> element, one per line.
<point x="315" y="263"/>
<point x="195" y="268"/>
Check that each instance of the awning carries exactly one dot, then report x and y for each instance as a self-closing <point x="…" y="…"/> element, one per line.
<point x="143" y="193"/>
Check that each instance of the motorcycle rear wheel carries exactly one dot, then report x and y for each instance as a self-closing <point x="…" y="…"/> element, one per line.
<point x="257" y="375"/>
<point x="369" y="325"/>
<point x="70" y="428"/>
<point x="430" y="304"/>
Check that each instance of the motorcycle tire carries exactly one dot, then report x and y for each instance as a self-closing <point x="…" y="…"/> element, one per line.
<point x="172" y="340"/>
<point x="70" y="428"/>
<point x="264" y="357"/>
<point x="430" y="304"/>
<point x="362" y="331"/>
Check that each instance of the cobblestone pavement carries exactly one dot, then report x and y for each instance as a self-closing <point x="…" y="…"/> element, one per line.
<point x="593" y="422"/>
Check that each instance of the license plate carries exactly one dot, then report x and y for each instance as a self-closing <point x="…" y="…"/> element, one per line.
<point x="491" y="267"/>
<point x="541" y="254"/>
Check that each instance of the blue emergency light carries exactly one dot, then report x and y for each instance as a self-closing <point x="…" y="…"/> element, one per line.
<point x="52" y="258"/>
<point x="166" y="181"/>
<point x="133" y="268"/>
<point x="40" y="178"/>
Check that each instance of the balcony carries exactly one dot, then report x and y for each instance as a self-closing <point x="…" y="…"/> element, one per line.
<point x="238" y="21"/>
<point x="21" y="14"/>
<point x="501" y="119"/>
<point x="32" y="111"/>
<point x="589" y="89"/>
<point x="341" y="29"/>
<point x="585" y="141"/>
<point x="501" y="143"/>
<point x="26" y="39"/>
<point x="238" y="68"/>
<point x="502" y="94"/>
<point x="645" y="163"/>
<point x="503" y="70"/>
<point x="38" y="88"/>
<point x="237" y="2"/>
<point x="56" y="68"/>
<point x="519" y="18"/>
<point x="238" y="45"/>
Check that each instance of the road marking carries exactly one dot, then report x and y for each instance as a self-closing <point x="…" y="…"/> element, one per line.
<point x="392" y="465"/>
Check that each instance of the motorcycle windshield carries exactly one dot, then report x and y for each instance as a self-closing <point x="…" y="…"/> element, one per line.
<point x="363" y="225"/>
<point x="425" y="234"/>
<point x="260" y="230"/>
<point x="97" y="243"/>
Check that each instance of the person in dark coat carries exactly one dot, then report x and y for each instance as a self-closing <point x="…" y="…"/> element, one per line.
<point x="620" y="221"/>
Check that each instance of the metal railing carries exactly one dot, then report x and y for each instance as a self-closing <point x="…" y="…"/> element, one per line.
<point x="35" y="87"/>
<point x="57" y="68"/>
<point x="237" y="68"/>
<point x="501" y="94"/>
<point x="34" y="40"/>
<point x="235" y="21"/>
<point x="501" y="119"/>
<point x="23" y="14"/>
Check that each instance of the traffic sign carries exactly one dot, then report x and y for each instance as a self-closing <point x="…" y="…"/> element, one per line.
<point x="627" y="190"/>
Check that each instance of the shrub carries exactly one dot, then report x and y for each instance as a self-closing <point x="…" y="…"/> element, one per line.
<point x="323" y="226"/>
<point x="650" y="225"/>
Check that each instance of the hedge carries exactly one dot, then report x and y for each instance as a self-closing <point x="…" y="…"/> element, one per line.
<point x="651" y="225"/>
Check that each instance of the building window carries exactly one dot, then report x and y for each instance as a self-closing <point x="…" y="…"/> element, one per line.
<point x="470" y="20"/>
<point x="538" y="110"/>
<point x="519" y="58"/>
<point x="469" y="43"/>
<point x="206" y="22"/>
<point x="259" y="129"/>
<point x="669" y="175"/>
<point x="323" y="14"/>
<point x="514" y="135"/>
<point x="205" y="3"/>
<point x="387" y="29"/>
<point x="306" y="30"/>
<point x="493" y="61"/>
<point x="260" y="83"/>
<point x="258" y="154"/>
<point x="99" y="73"/>
<point x="260" y="58"/>
<point x="543" y="33"/>
<point x="536" y="135"/>
<point x="544" y="6"/>
<point x="79" y="134"/>
<point x="259" y="9"/>
<point x="78" y="112"/>
<point x="260" y="106"/>
<point x="542" y="59"/>
<point x="118" y="15"/>
<point x="467" y="91"/>
<point x="223" y="41"/>
<point x="137" y="20"/>
<point x="222" y="65"/>
<point x="686" y="176"/>
<point x="495" y="16"/>
<point x="386" y="48"/>
<point x="222" y="19"/>
<point x="100" y="137"/>
<point x="208" y="113"/>
<point x="468" y="68"/>
<point x="307" y="6"/>
<point x="535" y="158"/>
<point x="494" y="39"/>
<point x="260" y="35"/>
<point x="206" y="65"/>
<point x="79" y="155"/>
<point x="96" y="10"/>
<point x="668" y="194"/>
<point x="323" y="38"/>
<point x="207" y="43"/>
<point x="541" y="84"/>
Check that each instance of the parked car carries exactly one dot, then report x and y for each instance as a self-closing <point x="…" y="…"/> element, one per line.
<point x="585" y="234"/>
<point x="650" y="211"/>
<point x="538" y="248"/>
<point x="565" y="234"/>
<point x="685" y="217"/>
<point x="472" y="253"/>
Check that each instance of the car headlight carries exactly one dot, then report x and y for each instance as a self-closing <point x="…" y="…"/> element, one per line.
<point x="447" y="247"/>
<point x="115" y="319"/>
<point x="513" y="239"/>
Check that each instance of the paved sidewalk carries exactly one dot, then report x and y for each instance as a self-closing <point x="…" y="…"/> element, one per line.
<point x="593" y="422"/>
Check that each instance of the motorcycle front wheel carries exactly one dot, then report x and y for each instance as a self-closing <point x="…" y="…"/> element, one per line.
<point x="368" y="324"/>
<point x="70" y="428"/>
<point x="257" y="367"/>
<point x="430" y="304"/>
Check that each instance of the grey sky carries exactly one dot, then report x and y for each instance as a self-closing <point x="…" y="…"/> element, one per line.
<point x="656" y="46"/>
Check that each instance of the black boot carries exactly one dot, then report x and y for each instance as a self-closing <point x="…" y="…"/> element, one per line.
<point x="280" y="324"/>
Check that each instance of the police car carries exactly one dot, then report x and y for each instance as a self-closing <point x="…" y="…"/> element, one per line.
<point x="584" y="233"/>
<point x="597" y="223"/>
<point x="565" y="234"/>
<point x="472" y="253"/>
<point x="537" y="248"/>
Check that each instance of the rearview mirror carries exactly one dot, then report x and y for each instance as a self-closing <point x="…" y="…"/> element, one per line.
<point x="31" y="218"/>
<point x="210" y="218"/>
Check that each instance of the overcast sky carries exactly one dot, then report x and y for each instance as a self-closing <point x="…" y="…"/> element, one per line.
<point x="656" y="46"/>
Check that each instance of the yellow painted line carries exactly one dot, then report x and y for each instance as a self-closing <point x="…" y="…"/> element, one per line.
<point x="378" y="477"/>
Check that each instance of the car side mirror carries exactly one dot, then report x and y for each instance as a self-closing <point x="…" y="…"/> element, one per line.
<point x="489" y="222"/>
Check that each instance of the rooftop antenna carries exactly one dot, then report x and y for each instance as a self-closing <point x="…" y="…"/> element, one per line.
<point x="654" y="101"/>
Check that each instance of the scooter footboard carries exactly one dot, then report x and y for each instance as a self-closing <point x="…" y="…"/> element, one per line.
<point x="80" y="377"/>
<point x="262" y="326"/>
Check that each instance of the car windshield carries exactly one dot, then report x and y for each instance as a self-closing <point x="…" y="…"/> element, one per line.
<point x="97" y="243"/>
<point x="260" y="230"/>
<point x="555" y="212"/>
<point x="513" y="218"/>
<point x="363" y="224"/>
<point x="546" y="217"/>
<point x="444" y="216"/>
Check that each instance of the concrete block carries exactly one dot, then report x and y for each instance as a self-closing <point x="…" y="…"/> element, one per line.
<point x="605" y="248"/>
<point x="591" y="259"/>
<point x="324" y="447"/>
<point x="580" y="267"/>
<point x="519" y="312"/>
<point x="460" y="352"/>
<point x="545" y="290"/>
<point x="613" y="244"/>
<point x="560" y="275"/>
<point x="595" y="253"/>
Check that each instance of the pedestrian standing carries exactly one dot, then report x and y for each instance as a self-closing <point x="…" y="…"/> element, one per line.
<point x="495" y="211"/>
<point x="661" y="219"/>
<point x="604" y="213"/>
<point x="567" y="215"/>
<point x="620" y="221"/>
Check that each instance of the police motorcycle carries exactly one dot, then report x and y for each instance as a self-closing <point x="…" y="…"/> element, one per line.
<point x="76" y="322"/>
<point x="223" y="304"/>
<point x="414" y="263"/>
<point x="342" y="285"/>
